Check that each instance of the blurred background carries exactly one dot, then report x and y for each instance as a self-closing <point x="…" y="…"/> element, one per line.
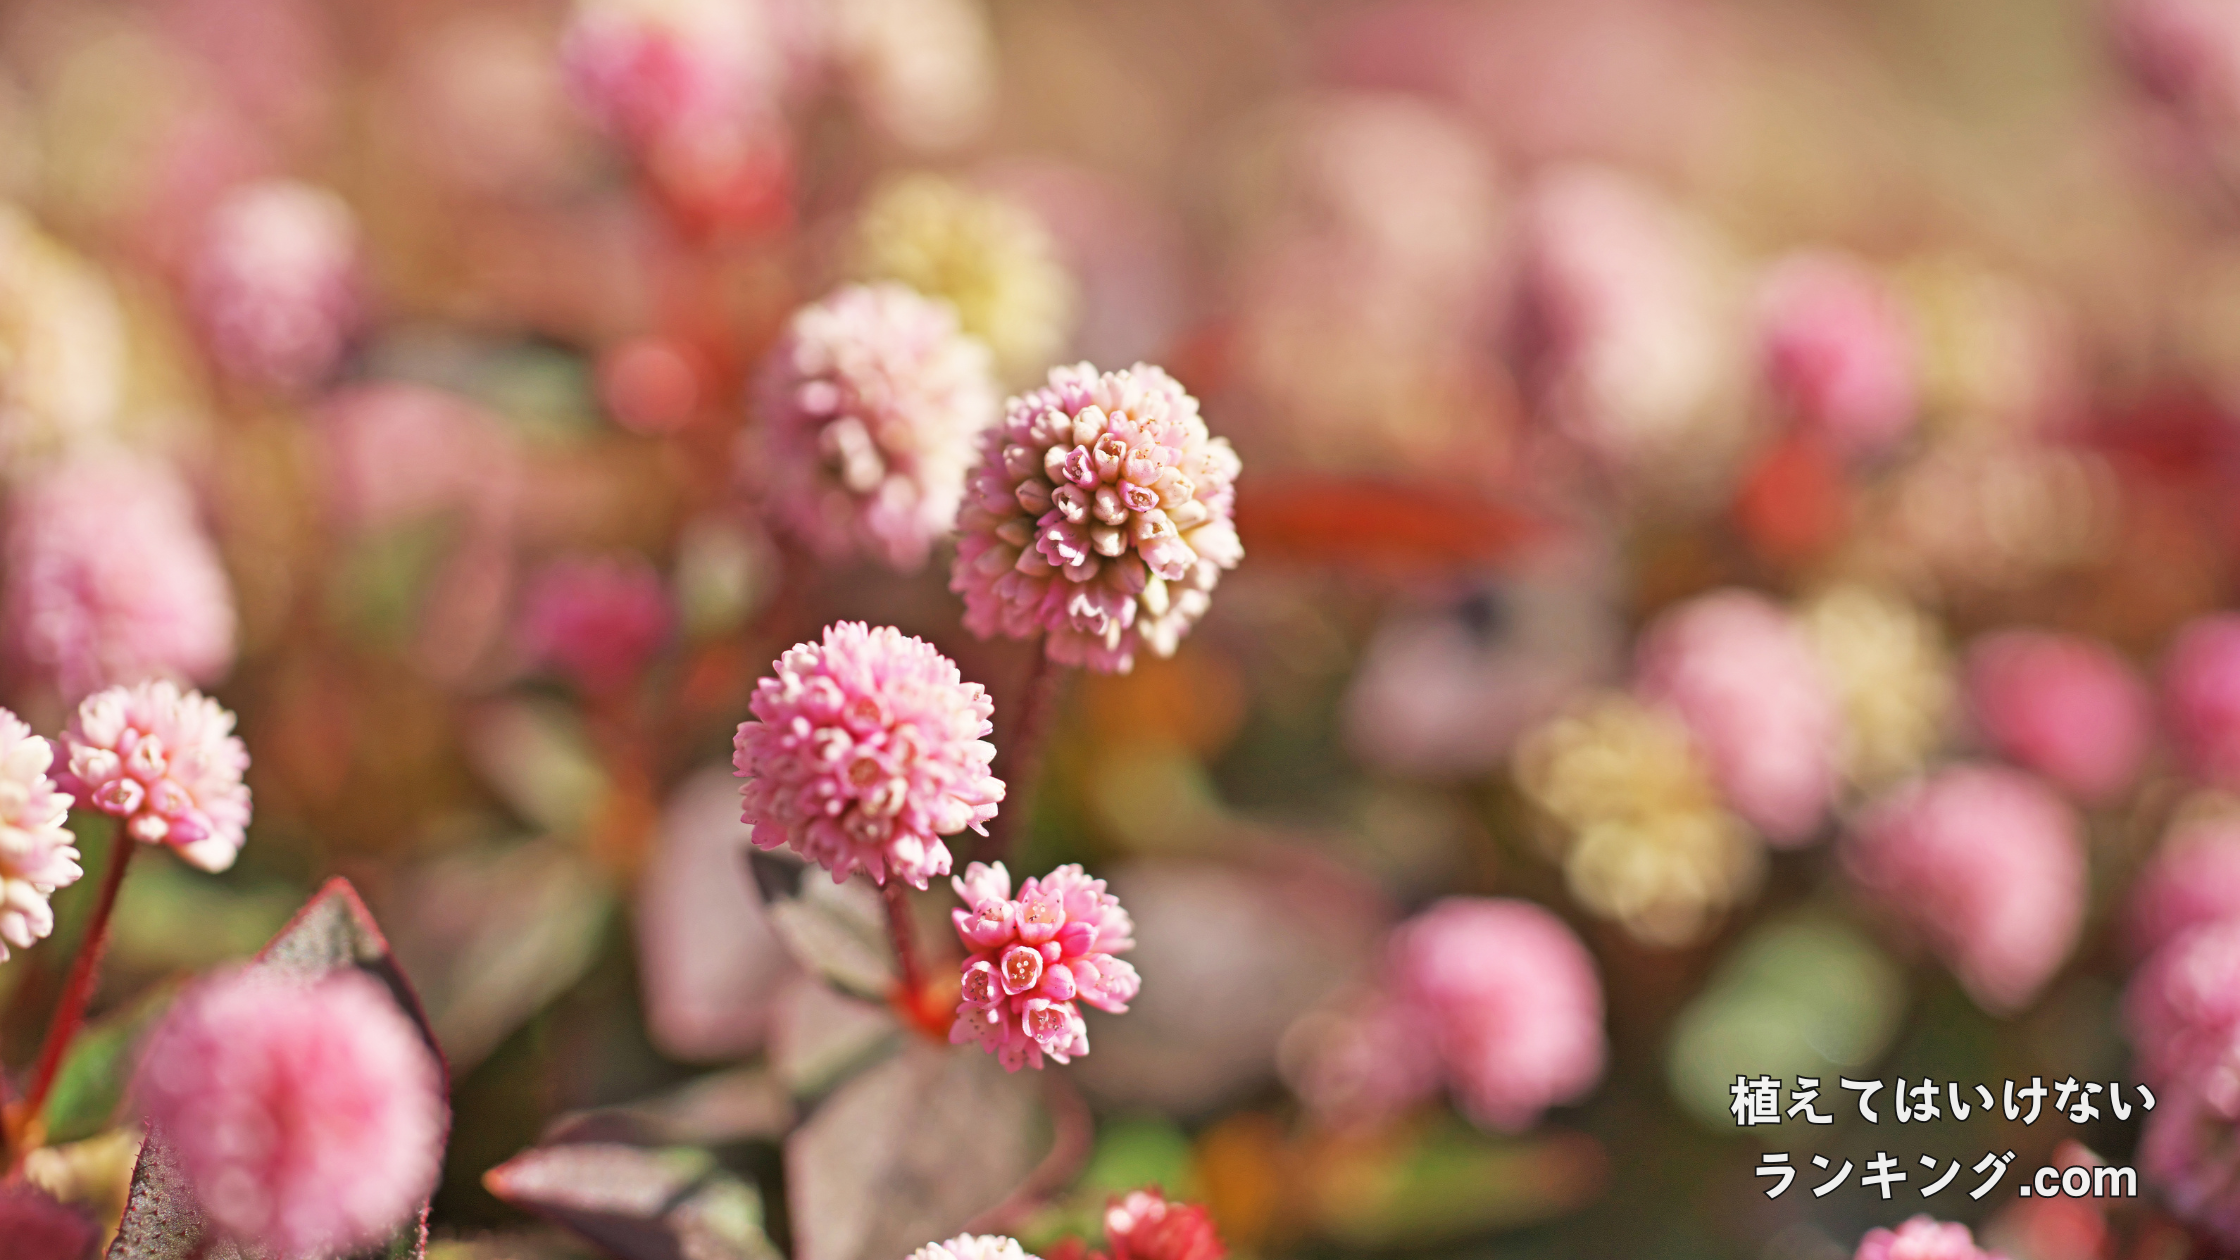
<point x="1729" y="472"/>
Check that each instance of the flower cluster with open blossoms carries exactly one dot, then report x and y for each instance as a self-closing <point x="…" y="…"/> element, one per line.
<point x="1031" y="958"/>
<point x="37" y="852"/>
<point x="1099" y="518"/>
<point x="166" y="763"/>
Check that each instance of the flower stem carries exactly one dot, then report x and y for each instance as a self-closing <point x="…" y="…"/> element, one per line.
<point x="70" y="1012"/>
<point x="905" y="946"/>
<point x="1022" y="753"/>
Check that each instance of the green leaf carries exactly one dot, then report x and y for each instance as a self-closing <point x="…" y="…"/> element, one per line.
<point x="92" y="1083"/>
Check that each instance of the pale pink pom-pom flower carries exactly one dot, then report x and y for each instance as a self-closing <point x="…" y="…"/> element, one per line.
<point x="1099" y="517"/>
<point x="1836" y="351"/>
<point x="2182" y="1009"/>
<point x="273" y="285"/>
<point x="1029" y="959"/>
<point x="973" y="1247"/>
<point x="2201" y="696"/>
<point x="308" y="1114"/>
<point x="1988" y="865"/>
<point x="1510" y="999"/>
<point x="869" y="748"/>
<point x="1922" y="1238"/>
<point x="2192" y="880"/>
<point x="164" y="762"/>
<point x="596" y="619"/>
<point x="37" y="852"/>
<point x="110" y="579"/>
<point x="1742" y="676"/>
<point x="873" y="401"/>
<point x="2066" y="707"/>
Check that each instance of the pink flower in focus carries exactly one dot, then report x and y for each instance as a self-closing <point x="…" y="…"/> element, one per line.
<point x="1099" y="517"/>
<point x="873" y="401"/>
<point x="110" y="579"/>
<point x="2189" y="1151"/>
<point x="597" y="620"/>
<point x="1143" y="1225"/>
<point x="1922" y="1238"/>
<point x="1987" y="865"/>
<point x="2182" y="1010"/>
<point x="2201" y="696"/>
<point x="1509" y="998"/>
<point x="973" y="1247"/>
<point x="164" y="762"/>
<point x="37" y="852"/>
<point x="2192" y="880"/>
<point x="307" y="1114"/>
<point x="2067" y="707"/>
<point x="1030" y="958"/>
<point x="1744" y="679"/>
<point x="1837" y="352"/>
<point x="273" y="284"/>
<point x="869" y="748"/>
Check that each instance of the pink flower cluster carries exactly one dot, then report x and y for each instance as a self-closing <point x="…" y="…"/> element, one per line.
<point x="597" y="620"/>
<point x="1100" y="517"/>
<point x="2201" y="697"/>
<point x="1495" y="997"/>
<point x="2193" y="881"/>
<point x="165" y="763"/>
<point x="273" y="288"/>
<point x="1741" y="675"/>
<point x="973" y="1247"/>
<point x="869" y="747"/>
<point x="873" y="400"/>
<point x="1837" y="351"/>
<point x="1987" y="865"/>
<point x="110" y="579"/>
<point x="1032" y="957"/>
<point x="37" y="852"/>
<point x="1144" y="1225"/>
<point x="2066" y="707"/>
<point x="1922" y="1238"/>
<point x="308" y="1114"/>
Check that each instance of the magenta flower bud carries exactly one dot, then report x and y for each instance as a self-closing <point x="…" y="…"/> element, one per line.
<point x="1058" y="985"/>
<point x="1021" y="968"/>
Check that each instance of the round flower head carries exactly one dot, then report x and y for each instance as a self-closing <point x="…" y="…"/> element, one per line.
<point x="273" y="286"/>
<point x="922" y="71"/>
<point x="1029" y="959"/>
<point x="2193" y="880"/>
<point x="37" y="852"/>
<point x="1143" y="1225"/>
<point x="1837" y="351"/>
<point x="1099" y="517"/>
<point x="2067" y="707"/>
<point x="973" y="1247"/>
<point x="873" y="400"/>
<point x="1922" y="1238"/>
<point x="1892" y="677"/>
<point x="2189" y="1152"/>
<point x="2201" y="694"/>
<point x="650" y="71"/>
<point x="166" y="764"/>
<point x="1737" y="670"/>
<point x="597" y="620"/>
<point x="1988" y="865"/>
<point x="2183" y="1007"/>
<point x="869" y="747"/>
<point x="110" y="579"/>
<point x="61" y="342"/>
<point x="308" y="1114"/>
<point x="983" y="254"/>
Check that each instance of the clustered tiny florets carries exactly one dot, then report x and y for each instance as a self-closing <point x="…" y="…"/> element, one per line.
<point x="1100" y="516"/>
<point x="166" y="763"/>
<point x="37" y="852"/>
<point x="870" y="747"/>
<point x="1031" y="958"/>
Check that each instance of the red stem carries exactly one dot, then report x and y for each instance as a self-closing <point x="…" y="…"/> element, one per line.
<point x="70" y="1012"/>
<point x="1022" y="753"/>
<point x="905" y="947"/>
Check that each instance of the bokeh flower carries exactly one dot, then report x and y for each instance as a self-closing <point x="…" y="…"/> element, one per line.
<point x="308" y="1114"/>
<point x="2189" y="1153"/>
<point x="273" y="284"/>
<point x="1987" y="865"/>
<point x="2182" y="1010"/>
<point x="1643" y="837"/>
<point x="37" y="852"/>
<point x="1922" y="1238"/>
<point x="1510" y="999"/>
<point x="2066" y="707"/>
<point x="596" y="619"/>
<point x="1032" y="958"/>
<point x="973" y="1247"/>
<point x="1892" y="676"/>
<point x="1734" y="667"/>
<point x="2201" y="696"/>
<point x="1099" y="517"/>
<point x="872" y="403"/>
<point x="983" y="254"/>
<point x="1836" y="351"/>
<point x="651" y="71"/>
<point x="923" y="71"/>
<point x="166" y="764"/>
<point x="62" y="346"/>
<point x="2192" y="880"/>
<point x="867" y="748"/>
<point x="1145" y="1225"/>
<point x="110" y="578"/>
